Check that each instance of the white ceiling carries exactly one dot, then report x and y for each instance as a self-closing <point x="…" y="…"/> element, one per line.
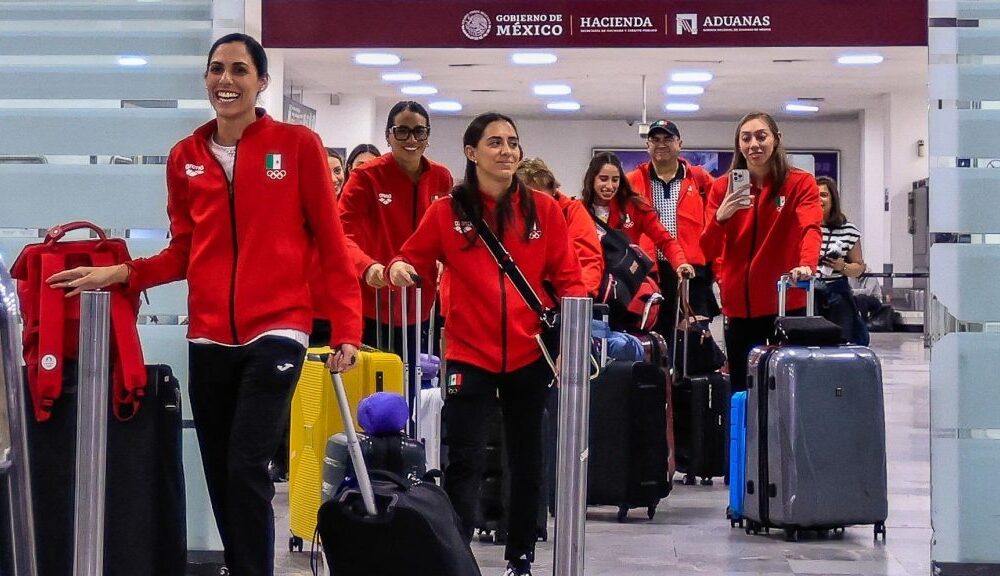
<point x="607" y="82"/>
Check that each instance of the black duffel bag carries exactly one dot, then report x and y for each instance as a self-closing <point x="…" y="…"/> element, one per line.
<point x="626" y="266"/>
<point x="415" y="530"/>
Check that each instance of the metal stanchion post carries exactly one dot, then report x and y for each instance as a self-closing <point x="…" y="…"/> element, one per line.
<point x="573" y="446"/>
<point x="14" y="462"/>
<point x="92" y="433"/>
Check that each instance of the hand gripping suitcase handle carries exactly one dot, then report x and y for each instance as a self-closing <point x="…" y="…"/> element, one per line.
<point x="809" y="285"/>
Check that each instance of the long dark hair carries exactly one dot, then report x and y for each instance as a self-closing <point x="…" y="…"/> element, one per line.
<point x="465" y="200"/>
<point x="777" y="163"/>
<point x="358" y="151"/>
<point x="254" y="48"/>
<point x="836" y="219"/>
<point x="625" y="192"/>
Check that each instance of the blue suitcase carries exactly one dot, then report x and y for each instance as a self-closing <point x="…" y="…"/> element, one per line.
<point x="737" y="456"/>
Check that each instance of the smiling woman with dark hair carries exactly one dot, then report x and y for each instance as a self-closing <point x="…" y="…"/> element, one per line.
<point x="841" y="258"/>
<point x="383" y="202"/>
<point x="248" y="304"/>
<point x="490" y="338"/>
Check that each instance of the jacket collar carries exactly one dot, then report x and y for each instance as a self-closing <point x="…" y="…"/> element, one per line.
<point x="206" y="130"/>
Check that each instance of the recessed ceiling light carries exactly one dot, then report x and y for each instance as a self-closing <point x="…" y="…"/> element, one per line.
<point x="402" y="77"/>
<point x="131" y="61"/>
<point x="684" y="90"/>
<point x="564" y="106"/>
<point x="860" y="59"/>
<point x="446" y="106"/>
<point x="533" y="58"/>
<point x="376" y="59"/>
<point x="552" y="90"/>
<point x="691" y="77"/>
<point x="418" y="90"/>
<point x="799" y="107"/>
<point x="681" y="107"/>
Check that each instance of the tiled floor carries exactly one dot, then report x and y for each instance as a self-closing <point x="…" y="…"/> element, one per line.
<point x="690" y="534"/>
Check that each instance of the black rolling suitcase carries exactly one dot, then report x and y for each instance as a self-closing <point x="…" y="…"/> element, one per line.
<point x="700" y="401"/>
<point x="628" y="438"/>
<point x="145" y="524"/>
<point x="388" y="525"/>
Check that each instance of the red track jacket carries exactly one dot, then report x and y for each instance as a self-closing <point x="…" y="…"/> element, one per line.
<point x="759" y="244"/>
<point x="643" y="222"/>
<point x="690" y="206"/>
<point x="489" y="324"/>
<point x="380" y="208"/>
<point x="585" y="241"/>
<point x="246" y="249"/>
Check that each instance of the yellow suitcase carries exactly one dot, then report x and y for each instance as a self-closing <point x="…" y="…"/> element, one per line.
<point x="315" y="417"/>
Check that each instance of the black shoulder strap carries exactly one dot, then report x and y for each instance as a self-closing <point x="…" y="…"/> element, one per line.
<point x="604" y="225"/>
<point x="507" y="265"/>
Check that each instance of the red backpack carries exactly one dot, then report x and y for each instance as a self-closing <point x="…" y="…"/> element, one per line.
<point x="52" y="321"/>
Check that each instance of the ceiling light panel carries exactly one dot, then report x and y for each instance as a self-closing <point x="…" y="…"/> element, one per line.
<point x="691" y="76"/>
<point x="563" y="106"/>
<point x="533" y="58"/>
<point x="684" y="90"/>
<point x="681" y="107"/>
<point x="445" y="106"/>
<point x="552" y="90"/>
<point x="860" y="59"/>
<point x="800" y="107"/>
<point x="402" y="77"/>
<point x="418" y="90"/>
<point x="376" y="59"/>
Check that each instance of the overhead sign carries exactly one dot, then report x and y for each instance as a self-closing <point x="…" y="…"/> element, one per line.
<point x="592" y="23"/>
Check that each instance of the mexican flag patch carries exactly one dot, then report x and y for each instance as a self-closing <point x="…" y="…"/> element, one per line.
<point x="272" y="162"/>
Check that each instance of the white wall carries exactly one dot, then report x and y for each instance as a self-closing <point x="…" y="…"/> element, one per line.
<point x="345" y="123"/>
<point x="908" y="121"/>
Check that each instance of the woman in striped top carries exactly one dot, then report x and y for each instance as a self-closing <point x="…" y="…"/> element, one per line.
<point x="840" y="259"/>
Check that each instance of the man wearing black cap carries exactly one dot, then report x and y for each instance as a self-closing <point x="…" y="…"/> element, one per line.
<point x="678" y="191"/>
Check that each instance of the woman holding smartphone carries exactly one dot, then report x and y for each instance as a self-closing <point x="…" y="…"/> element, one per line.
<point x="764" y="221"/>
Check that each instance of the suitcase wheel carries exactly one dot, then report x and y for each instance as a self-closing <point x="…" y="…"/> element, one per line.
<point x="295" y="544"/>
<point x="543" y="534"/>
<point x="688" y="480"/>
<point x="707" y="482"/>
<point x="485" y="536"/>
<point x="879" y="529"/>
<point x="622" y="513"/>
<point x="725" y="479"/>
<point x="651" y="511"/>
<point x="838" y="531"/>
<point x="223" y="571"/>
<point x="499" y="537"/>
<point x="791" y="535"/>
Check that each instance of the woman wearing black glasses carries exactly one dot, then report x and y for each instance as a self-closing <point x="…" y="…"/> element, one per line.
<point x="382" y="203"/>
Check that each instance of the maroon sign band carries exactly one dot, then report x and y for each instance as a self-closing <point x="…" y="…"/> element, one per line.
<point x="592" y="23"/>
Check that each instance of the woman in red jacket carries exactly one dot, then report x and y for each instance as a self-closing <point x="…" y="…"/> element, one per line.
<point x="242" y="227"/>
<point x="760" y="236"/>
<point x="491" y="331"/>
<point x="383" y="202"/>
<point x="608" y="196"/>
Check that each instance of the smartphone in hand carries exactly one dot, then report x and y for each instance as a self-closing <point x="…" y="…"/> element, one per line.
<point x="739" y="182"/>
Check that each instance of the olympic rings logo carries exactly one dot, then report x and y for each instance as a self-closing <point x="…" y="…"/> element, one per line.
<point x="276" y="174"/>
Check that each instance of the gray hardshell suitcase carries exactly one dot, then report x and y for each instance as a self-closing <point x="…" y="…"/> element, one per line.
<point x="815" y="453"/>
